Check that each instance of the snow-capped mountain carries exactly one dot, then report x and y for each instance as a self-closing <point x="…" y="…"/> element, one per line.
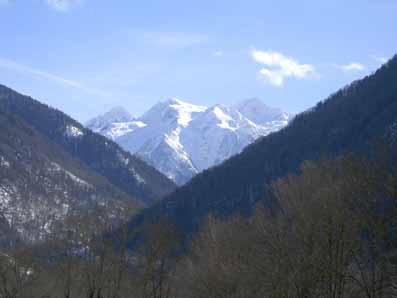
<point x="181" y="139"/>
<point x="255" y="110"/>
<point x="115" y="123"/>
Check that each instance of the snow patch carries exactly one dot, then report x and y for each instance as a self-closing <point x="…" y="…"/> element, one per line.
<point x="223" y="118"/>
<point x="173" y="140"/>
<point x="57" y="168"/>
<point x="4" y="163"/>
<point x="115" y="115"/>
<point x="124" y="160"/>
<point x="119" y="129"/>
<point x="185" y="111"/>
<point x="73" y="131"/>
<point x="137" y="177"/>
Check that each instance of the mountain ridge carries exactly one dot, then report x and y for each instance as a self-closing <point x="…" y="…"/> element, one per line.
<point x="350" y="120"/>
<point x="103" y="156"/>
<point x="182" y="139"/>
<point x="41" y="186"/>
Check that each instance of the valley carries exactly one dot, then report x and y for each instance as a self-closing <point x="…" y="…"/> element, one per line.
<point x="200" y="149"/>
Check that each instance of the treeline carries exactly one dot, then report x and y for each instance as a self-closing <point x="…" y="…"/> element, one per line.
<point x="331" y="235"/>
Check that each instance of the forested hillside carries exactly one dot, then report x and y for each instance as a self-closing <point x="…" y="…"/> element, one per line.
<point x="352" y="119"/>
<point x="42" y="186"/>
<point x="101" y="155"/>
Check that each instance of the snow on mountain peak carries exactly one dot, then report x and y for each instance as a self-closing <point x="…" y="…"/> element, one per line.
<point x="185" y="111"/>
<point x="174" y="101"/>
<point x="173" y="111"/>
<point x="114" y="123"/>
<point x="258" y="112"/>
<point x="107" y="120"/>
<point x="225" y="120"/>
<point x="116" y="114"/>
<point x="181" y="139"/>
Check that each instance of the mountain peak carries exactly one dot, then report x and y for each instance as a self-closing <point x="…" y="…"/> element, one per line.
<point x="219" y="106"/>
<point x="119" y="111"/>
<point x="115" y="115"/>
<point x="172" y="111"/>
<point x="182" y="104"/>
<point x="181" y="139"/>
<point x="174" y="100"/>
<point x="258" y="112"/>
<point x="251" y="101"/>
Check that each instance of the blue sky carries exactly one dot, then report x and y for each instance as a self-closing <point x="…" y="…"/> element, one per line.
<point x="86" y="56"/>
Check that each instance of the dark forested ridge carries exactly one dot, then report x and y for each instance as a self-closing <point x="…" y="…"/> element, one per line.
<point x="101" y="155"/>
<point x="41" y="186"/>
<point x="349" y="120"/>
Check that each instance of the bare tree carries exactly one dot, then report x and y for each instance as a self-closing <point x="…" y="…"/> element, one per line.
<point x="157" y="260"/>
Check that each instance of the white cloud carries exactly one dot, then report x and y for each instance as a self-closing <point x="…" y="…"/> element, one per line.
<point x="174" y="39"/>
<point x="274" y="77"/>
<point x="16" y="67"/>
<point x="353" y="66"/>
<point x="279" y="67"/>
<point x="379" y="59"/>
<point x="62" y="5"/>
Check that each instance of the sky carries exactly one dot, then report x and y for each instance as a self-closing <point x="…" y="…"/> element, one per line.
<point x="87" y="56"/>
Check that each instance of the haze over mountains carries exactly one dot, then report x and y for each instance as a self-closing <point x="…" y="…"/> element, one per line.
<point x="182" y="139"/>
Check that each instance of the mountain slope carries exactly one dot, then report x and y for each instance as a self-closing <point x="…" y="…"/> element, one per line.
<point x="41" y="186"/>
<point x="115" y="123"/>
<point x="181" y="139"/>
<point x="106" y="158"/>
<point x="257" y="112"/>
<point x="349" y="120"/>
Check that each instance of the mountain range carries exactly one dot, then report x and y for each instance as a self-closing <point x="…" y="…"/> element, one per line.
<point x="53" y="168"/>
<point x="353" y="119"/>
<point x="182" y="139"/>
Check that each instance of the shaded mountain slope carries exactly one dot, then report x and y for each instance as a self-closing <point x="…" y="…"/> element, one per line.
<point x="41" y="186"/>
<point x="101" y="155"/>
<point x="349" y="120"/>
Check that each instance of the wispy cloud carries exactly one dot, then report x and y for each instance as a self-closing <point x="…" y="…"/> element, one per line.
<point x="174" y="39"/>
<point x="16" y="67"/>
<point x="62" y="5"/>
<point x="353" y="66"/>
<point x="379" y="59"/>
<point x="278" y="67"/>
